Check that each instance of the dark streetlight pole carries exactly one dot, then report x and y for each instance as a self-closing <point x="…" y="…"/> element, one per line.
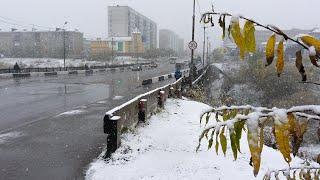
<point x="204" y="44"/>
<point x="192" y="50"/>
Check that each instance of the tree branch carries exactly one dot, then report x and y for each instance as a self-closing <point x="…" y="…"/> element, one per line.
<point x="268" y="27"/>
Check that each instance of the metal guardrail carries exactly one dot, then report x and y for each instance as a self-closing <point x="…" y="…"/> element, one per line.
<point x="56" y="69"/>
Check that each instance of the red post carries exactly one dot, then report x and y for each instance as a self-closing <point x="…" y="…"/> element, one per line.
<point x="161" y="99"/>
<point x="142" y="110"/>
<point x="171" y="89"/>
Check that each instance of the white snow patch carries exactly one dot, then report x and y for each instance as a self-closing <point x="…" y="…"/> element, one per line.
<point x="280" y="115"/>
<point x="165" y="149"/>
<point x="312" y="51"/>
<point x="117" y="97"/>
<point x="72" y="112"/>
<point x="11" y="135"/>
<point x="102" y="102"/>
<point x="235" y="19"/>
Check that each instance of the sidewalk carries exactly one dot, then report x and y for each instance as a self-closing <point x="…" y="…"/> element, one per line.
<point x="165" y="149"/>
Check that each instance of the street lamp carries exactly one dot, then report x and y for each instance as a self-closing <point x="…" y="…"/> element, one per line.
<point x="192" y="50"/>
<point x="204" y="44"/>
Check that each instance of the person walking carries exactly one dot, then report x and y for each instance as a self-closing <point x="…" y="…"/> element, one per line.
<point x="16" y="68"/>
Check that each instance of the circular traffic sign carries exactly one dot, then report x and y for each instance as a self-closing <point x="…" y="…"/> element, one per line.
<point x="193" y="45"/>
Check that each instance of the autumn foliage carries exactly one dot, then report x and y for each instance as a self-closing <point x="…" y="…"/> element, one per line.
<point x="244" y="38"/>
<point x="289" y="125"/>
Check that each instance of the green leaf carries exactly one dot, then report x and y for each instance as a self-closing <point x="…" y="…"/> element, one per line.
<point x="233" y="114"/>
<point x="210" y="143"/>
<point x="223" y="141"/>
<point x="233" y="145"/>
<point x="200" y="138"/>
<point x="202" y="117"/>
<point x="217" y="142"/>
<point x="238" y="126"/>
<point x="207" y="118"/>
<point x="226" y="115"/>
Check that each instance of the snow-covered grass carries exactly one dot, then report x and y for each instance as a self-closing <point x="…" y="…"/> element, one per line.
<point x="165" y="149"/>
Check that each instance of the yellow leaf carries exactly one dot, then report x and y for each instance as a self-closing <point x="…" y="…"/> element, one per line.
<point x="255" y="149"/>
<point x="237" y="36"/>
<point x="270" y="49"/>
<point x="249" y="37"/>
<point x="311" y="41"/>
<point x="280" y="62"/>
<point x="282" y="131"/>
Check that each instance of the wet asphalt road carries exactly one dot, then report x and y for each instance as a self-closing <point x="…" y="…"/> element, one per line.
<point x="39" y="141"/>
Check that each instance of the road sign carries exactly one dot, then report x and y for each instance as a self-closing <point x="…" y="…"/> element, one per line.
<point x="193" y="45"/>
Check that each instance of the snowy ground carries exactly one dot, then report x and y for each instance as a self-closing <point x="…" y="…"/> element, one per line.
<point x="165" y="149"/>
<point x="50" y="62"/>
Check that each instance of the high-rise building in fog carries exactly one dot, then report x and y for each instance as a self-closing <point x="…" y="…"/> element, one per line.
<point x="170" y="41"/>
<point x="123" y="21"/>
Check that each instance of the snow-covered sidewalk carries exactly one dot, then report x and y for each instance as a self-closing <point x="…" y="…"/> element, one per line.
<point x="165" y="149"/>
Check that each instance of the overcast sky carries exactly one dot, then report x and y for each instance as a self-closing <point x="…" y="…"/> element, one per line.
<point x="90" y="16"/>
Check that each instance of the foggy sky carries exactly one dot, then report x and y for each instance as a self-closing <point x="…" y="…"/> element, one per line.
<point x="90" y="16"/>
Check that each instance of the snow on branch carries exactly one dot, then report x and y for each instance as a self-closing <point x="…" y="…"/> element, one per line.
<point x="287" y="123"/>
<point x="304" y="172"/>
<point x="245" y="40"/>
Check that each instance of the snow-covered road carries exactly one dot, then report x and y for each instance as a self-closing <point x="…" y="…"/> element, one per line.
<point x="165" y="149"/>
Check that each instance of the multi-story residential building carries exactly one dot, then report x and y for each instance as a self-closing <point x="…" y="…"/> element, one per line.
<point x="49" y="44"/>
<point x="170" y="41"/>
<point x="99" y="48"/>
<point x="118" y="46"/>
<point x="123" y="21"/>
<point x="121" y="45"/>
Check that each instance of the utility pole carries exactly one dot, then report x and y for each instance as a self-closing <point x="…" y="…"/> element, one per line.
<point x="64" y="49"/>
<point x="192" y="50"/>
<point x="204" y="45"/>
<point x="208" y="44"/>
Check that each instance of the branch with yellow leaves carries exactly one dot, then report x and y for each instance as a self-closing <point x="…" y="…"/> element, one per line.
<point x="304" y="172"/>
<point x="245" y="40"/>
<point x="287" y="123"/>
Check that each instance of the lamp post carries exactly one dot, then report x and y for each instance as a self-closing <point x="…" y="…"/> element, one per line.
<point x="192" y="50"/>
<point x="204" y="45"/>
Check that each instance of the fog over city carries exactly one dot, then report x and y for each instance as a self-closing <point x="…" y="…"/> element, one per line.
<point x="90" y="16"/>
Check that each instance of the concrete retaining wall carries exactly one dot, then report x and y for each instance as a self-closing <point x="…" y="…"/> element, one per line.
<point x="125" y="117"/>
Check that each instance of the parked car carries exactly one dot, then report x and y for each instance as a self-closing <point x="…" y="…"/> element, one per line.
<point x="137" y="67"/>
